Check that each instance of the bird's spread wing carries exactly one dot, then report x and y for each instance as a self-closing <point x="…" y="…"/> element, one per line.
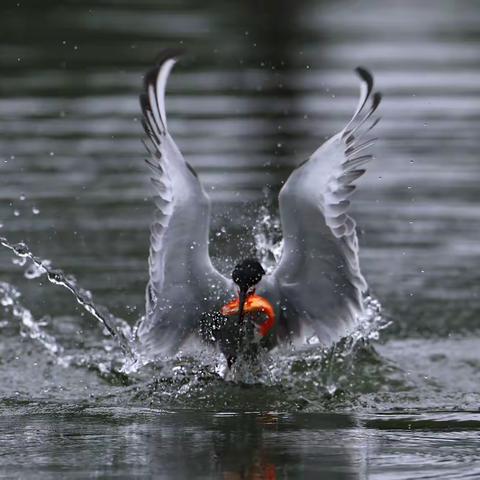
<point x="180" y="268"/>
<point x="318" y="273"/>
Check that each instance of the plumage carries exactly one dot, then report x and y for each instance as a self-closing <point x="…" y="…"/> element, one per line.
<point x="317" y="287"/>
<point x="319" y="275"/>
<point x="183" y="280"/>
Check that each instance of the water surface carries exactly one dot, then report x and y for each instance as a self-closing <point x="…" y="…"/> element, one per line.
<point x="263" y="84"/>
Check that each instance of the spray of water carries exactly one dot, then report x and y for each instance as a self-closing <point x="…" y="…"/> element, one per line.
<point x="10" y="300"/>
<point x="285" y="366"/>
<point x="118" y="328"/>
<point x="268" y="239"/>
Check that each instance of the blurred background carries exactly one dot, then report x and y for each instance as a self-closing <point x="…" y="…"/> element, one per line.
<point x="262" y="85"/>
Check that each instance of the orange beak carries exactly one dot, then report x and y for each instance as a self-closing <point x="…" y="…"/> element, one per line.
<point x="253" y="303"/>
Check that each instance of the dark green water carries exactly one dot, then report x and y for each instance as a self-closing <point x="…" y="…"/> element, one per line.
<point x="263" y="84"/>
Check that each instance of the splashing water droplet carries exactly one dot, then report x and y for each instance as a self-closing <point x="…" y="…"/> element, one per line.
<point x="6" y="301"/>
<point x="9" y="298"/>
<point x="55" y="276"/>
<point x="268" y="239"/>
<point x="19" y="261"/>
<point x="119" y="329"/>
<point x="19" y="249"/>
<point x="35" y="271"/>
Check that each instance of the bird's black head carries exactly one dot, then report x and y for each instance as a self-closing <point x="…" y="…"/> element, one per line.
<point x="247" y="274"/>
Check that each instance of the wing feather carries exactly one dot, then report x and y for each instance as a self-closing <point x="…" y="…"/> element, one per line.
<point x="319" y="273"/>
<point x="181" y="273"/>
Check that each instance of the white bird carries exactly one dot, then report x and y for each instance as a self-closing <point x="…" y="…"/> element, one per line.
<point x="316" y="289"/>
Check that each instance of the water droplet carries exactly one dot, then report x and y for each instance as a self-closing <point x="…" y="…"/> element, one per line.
<point x="55" y="276"/>
<point x="16" y="213"/>
<point x="6" y="301"/>
<point x="52" y="154"/>
<point x="22" y="197"/>
<point x="35" y="210"/>
<point x="21" y="249"/>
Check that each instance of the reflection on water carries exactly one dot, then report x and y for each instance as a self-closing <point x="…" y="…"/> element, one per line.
<point x="143" y="443"/>
<point x="264" y="83"/>
<point x="192" y="445"/>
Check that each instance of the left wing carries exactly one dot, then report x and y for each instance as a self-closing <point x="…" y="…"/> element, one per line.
<point x="182" y="276"/>
<point x="319" y="277"/>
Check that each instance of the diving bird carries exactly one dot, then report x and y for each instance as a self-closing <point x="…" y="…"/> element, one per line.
<point x="315" y="291"/>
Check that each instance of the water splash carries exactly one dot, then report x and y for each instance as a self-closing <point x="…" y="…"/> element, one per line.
<point x="268" y="239"/>
<point x="309" y="377"/>
<point x="311" y="369"/>
<point x="118" y="328"/>
<point x="10" y="300"/>
<point x="336" y="363"/>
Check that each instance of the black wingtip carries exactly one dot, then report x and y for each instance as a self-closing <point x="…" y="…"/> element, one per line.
<point x="377" y="98"/>
<point x="169" y="53"/>
<point x="173" y="53"/>
<point x="143" y="103"/>
<point x="366" y="76"/>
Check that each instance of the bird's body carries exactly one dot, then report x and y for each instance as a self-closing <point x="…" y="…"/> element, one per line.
<point x="315" y="291"/>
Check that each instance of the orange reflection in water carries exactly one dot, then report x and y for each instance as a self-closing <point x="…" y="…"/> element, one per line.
<point x="260" y="470"/>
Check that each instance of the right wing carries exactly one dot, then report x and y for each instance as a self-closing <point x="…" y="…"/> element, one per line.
<point x="319" y="275"/>
<point x="181" y="273"/>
